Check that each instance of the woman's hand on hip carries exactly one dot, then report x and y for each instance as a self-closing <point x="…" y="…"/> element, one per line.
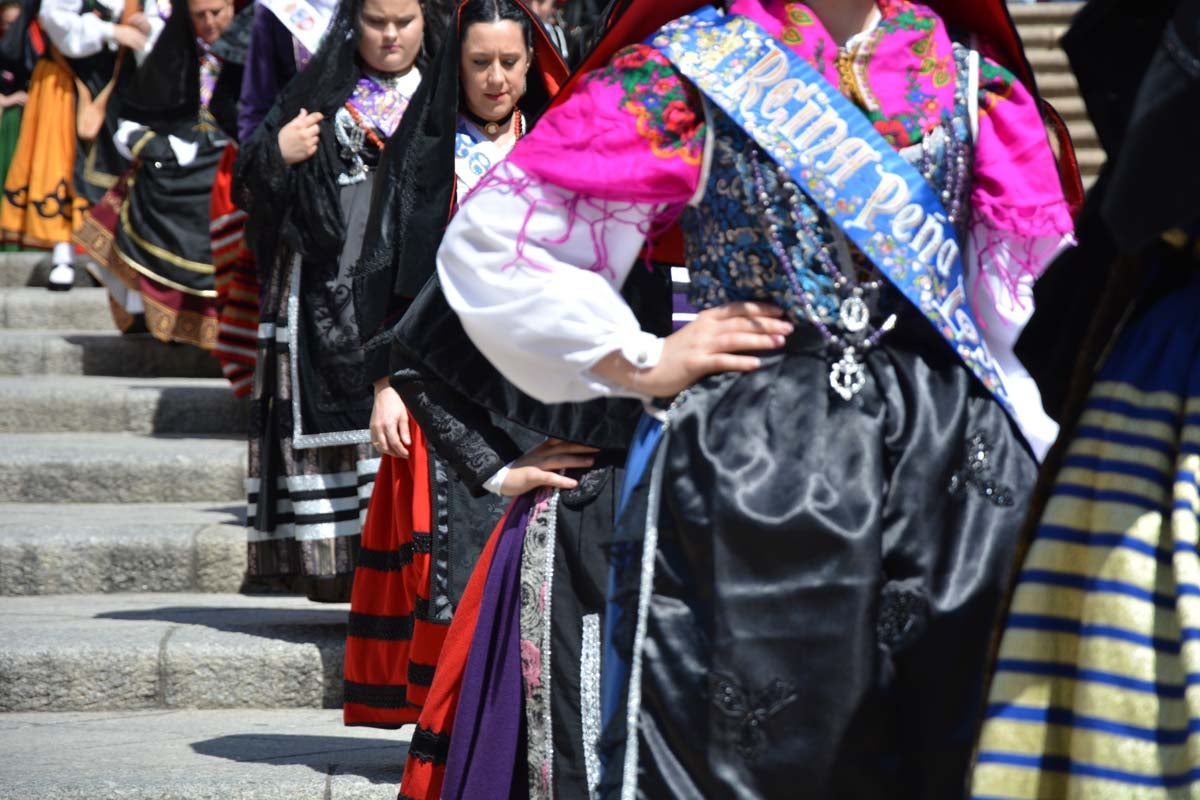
<point x="718" y="340"/>
<point x="540" y="467"/>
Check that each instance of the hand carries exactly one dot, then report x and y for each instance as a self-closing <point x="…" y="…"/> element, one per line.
<point x="538" y="467"/>
<point x="299" y="138"/>
<point x="140" y="22"/>
<point x="14" y="99"/>
<point x="129" y="36"/>
<point x="389" y="422"/>
<point x="714" y="342"/>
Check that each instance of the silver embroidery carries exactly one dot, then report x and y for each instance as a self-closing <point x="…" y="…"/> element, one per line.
<point x="589" y="699"/>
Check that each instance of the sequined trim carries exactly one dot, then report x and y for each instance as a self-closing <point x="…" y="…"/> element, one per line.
<point x="977" y="464"/>
<point x="537" y="582"/>
<point x="589" y="699"/>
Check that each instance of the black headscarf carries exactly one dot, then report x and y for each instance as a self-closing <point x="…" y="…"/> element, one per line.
<point x="165" y="91"/>
<point x="300" y="205"/>
<point x="429" y="343"/>
<point x="414" y="193"/>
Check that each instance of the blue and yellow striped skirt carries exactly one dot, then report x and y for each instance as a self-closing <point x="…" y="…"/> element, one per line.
<point x="1097" y="688"/>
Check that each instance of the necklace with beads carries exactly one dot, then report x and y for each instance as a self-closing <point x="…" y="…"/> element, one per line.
<point x="850" y="333"/>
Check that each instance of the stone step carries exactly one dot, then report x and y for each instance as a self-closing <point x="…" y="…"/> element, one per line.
<point x="1025" y="13"/>
<point x="1048" y="62"/>
<point x="198" y="755"/>
<point x="97" y="403"/>
<point x="96" y="548"/>
<point x="1056" y="86"/>
<point x="32" y="268"/>
<point x="120" y="468"/>
<point x="125" y="652"/>
<point x="52" y="352"/>
<point x="84" y="309"/>
<point x="1043" y="35"/>
<point x="1071" y="109"/>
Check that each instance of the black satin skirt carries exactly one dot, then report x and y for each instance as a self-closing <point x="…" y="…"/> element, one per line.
<point x="827" y="579"/>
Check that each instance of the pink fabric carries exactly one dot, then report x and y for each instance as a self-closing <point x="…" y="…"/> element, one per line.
<point x="1016" y="184"/>
<point x="597" y="145"/>
<point x="608" y="141"/>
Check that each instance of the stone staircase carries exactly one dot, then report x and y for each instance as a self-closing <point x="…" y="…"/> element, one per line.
<point x="131" y="665"/>
<point x="1041" y="26"/>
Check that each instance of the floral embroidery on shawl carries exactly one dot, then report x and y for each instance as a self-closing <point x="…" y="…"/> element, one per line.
<point x="798" y="19"/>
<point x="903" y="70"/>
<point x="660" y="99"/>
<point x="996" y="84"/>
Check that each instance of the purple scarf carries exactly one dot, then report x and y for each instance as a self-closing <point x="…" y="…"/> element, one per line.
<point x="487" y="755"/>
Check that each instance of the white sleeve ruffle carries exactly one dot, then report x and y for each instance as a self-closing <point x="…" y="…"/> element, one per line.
<point x="534" y="272"/>
<point x="76" y="35"/>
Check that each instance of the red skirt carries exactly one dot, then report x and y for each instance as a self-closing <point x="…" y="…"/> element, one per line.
<point x="426" y="764"/>
<point x="391" y="646"/>
<point x="236" y="282"/>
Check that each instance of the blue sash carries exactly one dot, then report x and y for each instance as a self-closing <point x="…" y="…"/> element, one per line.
<point x="840" y="161"/>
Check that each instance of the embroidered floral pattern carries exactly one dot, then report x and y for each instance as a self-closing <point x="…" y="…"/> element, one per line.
<point x="996" y="85"/>
<point x="665" y="106"/>
<point x="974" y="474"/>
<point x="907" y="96"/>
<point x="930" y="70"/>
<point x="747" y="711"/>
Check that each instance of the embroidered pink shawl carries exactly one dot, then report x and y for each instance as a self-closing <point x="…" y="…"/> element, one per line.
<point x="634" y="131"/>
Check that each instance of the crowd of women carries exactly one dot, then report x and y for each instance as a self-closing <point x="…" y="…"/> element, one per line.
<point x="691" y="401"/>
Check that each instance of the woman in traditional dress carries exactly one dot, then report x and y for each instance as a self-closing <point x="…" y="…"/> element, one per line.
<point x="65" y="159"/>
<point x="176" y="111"/>
<point x="273" y="54"/>
<point x="306" y="178"/>
<point x="481" y="96"/>
<point x="822" y="508"/>
<point x="1095" y="688"/>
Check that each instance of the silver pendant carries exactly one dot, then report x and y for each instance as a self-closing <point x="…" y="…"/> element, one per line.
<point x="854" y="314"/>
<point x="847" y="376"/>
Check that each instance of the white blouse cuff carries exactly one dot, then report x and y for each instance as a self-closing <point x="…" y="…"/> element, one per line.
<point x="641" y="349"/>
<point x="495" y="483"/>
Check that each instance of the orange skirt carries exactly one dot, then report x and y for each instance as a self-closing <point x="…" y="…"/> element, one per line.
<point x="39" y="208"/>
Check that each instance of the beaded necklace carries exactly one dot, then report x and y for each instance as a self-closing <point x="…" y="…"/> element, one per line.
<point x="847" y="375"/>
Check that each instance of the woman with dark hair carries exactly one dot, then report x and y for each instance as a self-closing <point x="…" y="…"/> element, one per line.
<point x="435" y="509"/>
<point x="822" y="502"/>
<point x="305" y="179"/>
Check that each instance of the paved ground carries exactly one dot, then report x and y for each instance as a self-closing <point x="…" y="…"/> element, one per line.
<point x="197" y="755"/>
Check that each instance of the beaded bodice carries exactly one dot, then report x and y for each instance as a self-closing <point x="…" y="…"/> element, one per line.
<point x="755" y="236"/>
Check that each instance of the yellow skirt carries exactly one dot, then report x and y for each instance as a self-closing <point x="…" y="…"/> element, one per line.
<point x="39" y="207"/>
